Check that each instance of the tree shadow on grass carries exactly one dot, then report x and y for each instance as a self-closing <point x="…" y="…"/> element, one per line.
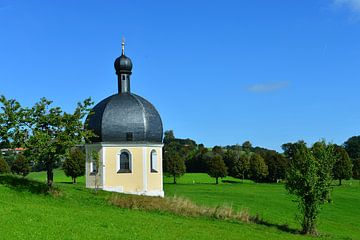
<point x="281" y="227"/>
<point x="21" y="184"/>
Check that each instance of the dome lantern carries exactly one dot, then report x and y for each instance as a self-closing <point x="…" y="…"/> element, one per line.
<point x="123" y="67"/>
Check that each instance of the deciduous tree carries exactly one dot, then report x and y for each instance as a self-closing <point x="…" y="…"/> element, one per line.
<point x="258" y="168"/>
<point x="343" y="166"/>
<point x="54" y="132"/>
<point x="216" y="167"/>
<point x="309" y="177"/>
<point x="174" y="163"/>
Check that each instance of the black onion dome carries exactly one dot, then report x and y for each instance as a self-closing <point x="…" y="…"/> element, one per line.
<point x="123" y="64"/>
<point x="125" y="117"/>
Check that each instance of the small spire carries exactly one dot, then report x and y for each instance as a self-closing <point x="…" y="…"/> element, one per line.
<point x="123" y="46"/>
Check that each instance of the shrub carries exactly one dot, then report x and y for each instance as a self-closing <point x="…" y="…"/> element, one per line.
<point x="20" y="165"/>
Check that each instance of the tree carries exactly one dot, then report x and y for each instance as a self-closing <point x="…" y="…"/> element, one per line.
<point x="276" y="163"/>
<point x="196" y="162"/>
<point x="343" y="166"/>
<point x="53" y="132"/>
<point x="247" y="146"/>
<point x="258" y="168"/>
<point x="21" y="165"/>
<point x="13" y="129"/>
<point x="352" y="147"/>
<point x="218" y="150"/>
<point x="238" y="163"/>
<point x="74" y="164"/>
<point x="174" y="164"/>
<point x="309" y="178"/>
<point x="4" y="166"/>
<point x="217" y="168"/>
<point x="168" y="136"/>
<point x="356" y="168"/>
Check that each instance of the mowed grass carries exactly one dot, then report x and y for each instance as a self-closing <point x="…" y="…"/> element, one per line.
<point x="78" y="213"/>
<point x="272" y="203"/>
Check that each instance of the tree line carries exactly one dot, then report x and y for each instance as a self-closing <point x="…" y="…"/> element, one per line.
<point x="247" y="162"/>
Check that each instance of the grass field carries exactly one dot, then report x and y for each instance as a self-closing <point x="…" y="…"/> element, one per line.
<point x="78" y="213"/>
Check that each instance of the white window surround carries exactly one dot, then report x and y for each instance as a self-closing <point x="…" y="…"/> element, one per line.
<point x="118" y="170"/>
<point x="153" y="161"/>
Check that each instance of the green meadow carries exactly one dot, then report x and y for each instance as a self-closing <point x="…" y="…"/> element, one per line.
<point x="73" y="212"/>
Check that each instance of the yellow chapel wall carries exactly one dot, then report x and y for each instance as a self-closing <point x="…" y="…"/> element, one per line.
<point x="155" y="180"/>
<point x="124" y="182"/>
<point x="132" y="182"/>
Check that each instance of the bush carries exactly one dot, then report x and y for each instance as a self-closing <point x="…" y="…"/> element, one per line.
<point x="74" y="165"/>
<point x="4" y="166"/>
<point x="20" y="165"/>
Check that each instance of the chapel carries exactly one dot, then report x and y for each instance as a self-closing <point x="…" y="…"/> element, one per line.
<point x="128" y="143"/>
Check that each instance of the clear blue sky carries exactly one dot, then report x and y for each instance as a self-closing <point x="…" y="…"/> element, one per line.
<point x="219" y="72"/>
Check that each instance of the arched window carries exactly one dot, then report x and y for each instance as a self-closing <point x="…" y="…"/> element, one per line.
<point x="153" y="161"/>
<point x="124" y="161"/>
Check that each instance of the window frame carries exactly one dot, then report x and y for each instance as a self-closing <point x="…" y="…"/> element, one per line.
<point x="118" y="162"/>
<point x="154" y="167"/>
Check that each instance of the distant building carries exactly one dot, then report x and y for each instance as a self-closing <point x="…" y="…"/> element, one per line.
<point x="4" y="151"/>
<point x="129" y="140"/>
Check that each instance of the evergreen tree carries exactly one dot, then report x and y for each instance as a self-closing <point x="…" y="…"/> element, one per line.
<point x="21" y="165"/>
<point x="74" y="164"/>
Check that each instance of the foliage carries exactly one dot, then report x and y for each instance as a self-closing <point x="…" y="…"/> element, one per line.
<point x="247" y="146"/>
<point x="309" y="178"/>
<point x="356" y="168"/>
<point x="74" y="164"/>
<point x="4" y="166"/>
<point x="258" y="169"/>
<point x="21" y="165"/>
<point x="218" y="150"/>
<point x="54" y="132"/>
<point x="174" y="164"/>
<point x="343" y="166"/>
<point x="275" y="162"/>
<point x="216" y="167"/>
<point x="238" y="163"/>
<point x="13" y="128"/>
<point x="352" y="147"/>
<point x="196" y="163"/>
<point x="169" y="136"/>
